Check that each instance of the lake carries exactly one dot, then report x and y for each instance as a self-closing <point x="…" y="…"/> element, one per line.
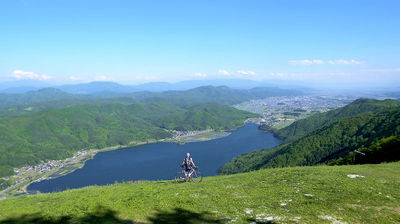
<point x="160" y="161"/>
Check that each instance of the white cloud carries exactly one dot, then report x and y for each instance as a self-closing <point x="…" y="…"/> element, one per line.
<point x="246" y="72"/>
<point x="318" y="62"/>
<point x="19" y="74"/>
<point x="146" y="78"/>
<point x="340" y="74"/>
<point x="74" y="78"/>
<point x="382" y="70"/>
<point x="223" y="72"/>
<point x="307" y="62"/>
<point x="301" y="62"/>
<point x="200" y="74"/>
<point x="279" y="74"/>
<point x="103" y="78"/>
<point x="345" y="62"/>
<point x="321" y="62"/>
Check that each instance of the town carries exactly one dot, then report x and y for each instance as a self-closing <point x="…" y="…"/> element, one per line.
<point x="279" y="112"/>
<point x="50" y="169"/>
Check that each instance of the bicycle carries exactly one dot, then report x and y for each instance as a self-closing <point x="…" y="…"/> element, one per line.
<point x="195" y="176"/>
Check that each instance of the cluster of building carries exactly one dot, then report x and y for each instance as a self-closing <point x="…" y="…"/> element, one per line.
<point x="180" y="134"/>
<point x="27" y="172"/>
<point x="278" y="109"/>
<point x="50" y="165"/>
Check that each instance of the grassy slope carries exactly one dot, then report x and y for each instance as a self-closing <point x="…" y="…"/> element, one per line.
<point x="373" y="199"/>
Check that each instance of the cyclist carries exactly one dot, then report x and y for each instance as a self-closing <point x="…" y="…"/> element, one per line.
<point x="189" y="165"/>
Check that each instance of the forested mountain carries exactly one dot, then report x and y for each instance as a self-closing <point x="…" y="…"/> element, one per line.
<point x="103" y="86"/>
<point x="22" y="86"/>
<point x="220" y="94"/>
<point x="29" y="109"/>
<point x="34" y="101"/>
<point x="33" y="97"/>
<point x="97" y="87"/>
<point x="327" y="143"/>
<point x="305" y="126"/>
<point x="385" y="150"/>
<point x="57" y="133"/>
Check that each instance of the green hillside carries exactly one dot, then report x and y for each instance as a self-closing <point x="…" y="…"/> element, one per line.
<point x="319" y="194"/>
<point x="58" y="133"/>
<point x="305" y="126"/>
<point x="385" y="150"/>
<point x="28" y="109"/>
<point x="328" y="143"/>
<point x="32" y="97"/>
<point x="219" y="94"/>
<point x="35" y="101"/>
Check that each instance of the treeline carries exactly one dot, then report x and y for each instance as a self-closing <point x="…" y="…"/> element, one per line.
<point x="329" y="142"/>
<point x="58" y="133"/>
<point x="385" y="150"/>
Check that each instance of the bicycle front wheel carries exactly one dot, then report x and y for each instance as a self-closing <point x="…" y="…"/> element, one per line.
<point x="197" y="177"/>
<point x="180" y="177"/>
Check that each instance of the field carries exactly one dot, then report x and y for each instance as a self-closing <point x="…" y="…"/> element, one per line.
<point x="204" y="136"/>
<point x="319" y="194"/>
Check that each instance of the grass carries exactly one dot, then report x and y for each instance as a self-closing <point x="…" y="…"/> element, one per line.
<point x="319" y="194"/>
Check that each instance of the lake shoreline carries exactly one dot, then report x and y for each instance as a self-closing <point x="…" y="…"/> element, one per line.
<point x="78" y="162"/>
<point x="146" y="161"/>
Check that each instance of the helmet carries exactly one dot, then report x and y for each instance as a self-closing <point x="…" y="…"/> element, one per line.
<point x="187" y="154"/>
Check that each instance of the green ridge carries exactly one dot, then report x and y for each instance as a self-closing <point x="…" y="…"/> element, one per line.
<point x="385" y="150"/>
<point x="329" y="142"/>
<point x="305" y="126"/>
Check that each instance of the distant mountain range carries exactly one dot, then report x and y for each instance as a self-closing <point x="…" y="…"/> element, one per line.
<point x="99" y="87"/>
<point x="33" y="101"/>
<point x="23" y="86"/>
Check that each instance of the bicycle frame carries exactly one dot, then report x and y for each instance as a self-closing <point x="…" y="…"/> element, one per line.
<point x="189" y="175"/>
<point x="191" y="172"/>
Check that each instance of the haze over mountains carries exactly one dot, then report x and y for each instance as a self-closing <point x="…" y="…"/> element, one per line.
<point x="103" y="92"/>
<point x="23" y="86"/>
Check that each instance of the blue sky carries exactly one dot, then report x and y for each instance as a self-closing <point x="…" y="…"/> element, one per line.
<point x="143" y="41"/>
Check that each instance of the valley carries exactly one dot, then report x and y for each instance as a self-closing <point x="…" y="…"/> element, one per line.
<point x="196" y="112"/>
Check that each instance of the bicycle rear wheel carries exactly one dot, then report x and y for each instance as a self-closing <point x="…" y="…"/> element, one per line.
<point x="196" y="177"/>
<point x="180" y="177"/>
